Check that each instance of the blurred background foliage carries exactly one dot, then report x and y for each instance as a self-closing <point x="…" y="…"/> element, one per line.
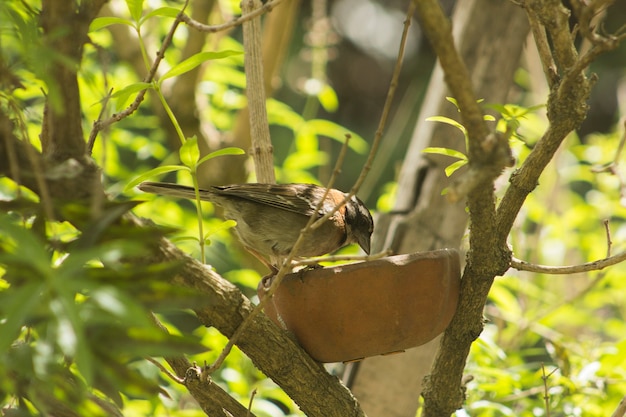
<point x="78" y="343"/>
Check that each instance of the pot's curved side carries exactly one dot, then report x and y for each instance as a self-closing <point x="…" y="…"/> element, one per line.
<point x="353" y="311"/>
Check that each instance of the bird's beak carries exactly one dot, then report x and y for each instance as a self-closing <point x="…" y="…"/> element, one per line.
<point x="364" y="243"/>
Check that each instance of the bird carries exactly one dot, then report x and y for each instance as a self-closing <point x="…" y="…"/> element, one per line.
<point x="270" y="217"/>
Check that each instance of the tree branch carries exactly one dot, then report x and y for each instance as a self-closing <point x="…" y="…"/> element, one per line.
<point x="566" y="270"/>
<point x="245" y="17"/>
<point x="486" y="259"/>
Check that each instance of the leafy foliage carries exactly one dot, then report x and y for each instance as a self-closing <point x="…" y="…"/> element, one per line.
<point x="77" y="312"/>
<point x="76" y="298"/>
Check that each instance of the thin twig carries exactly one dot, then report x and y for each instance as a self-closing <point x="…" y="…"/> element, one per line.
<point x="94" y="132"/>
<point x="546" y="395"/>
<point x="543" y="48"/>
<point x="573" y="269"/>
<point x="609" y="242"/>
<point x="383" y="118"/>
<point x="266" y="8"/>
<point x="252" y="395"/>
<point x="166" y="371"/>
<point x="316" y="260"/>
<point x="116" y="117"/>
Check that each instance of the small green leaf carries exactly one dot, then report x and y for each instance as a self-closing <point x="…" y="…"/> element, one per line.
<point x="13" y="240"/>
<point x="489" y="118"/>
<point x="281" y="114"/>
<point x="177" y="239"/>
<point x="449" y="121"/>
<point x="453" y="101"/>
<point x="135" y="7"/>
<point x="195" y="60"/>
<point x="189" y="153"/>
<point x="122" y="95"/>
<point x="221" y="152"/>
<point x="227" y="224"/>
<point x="305" y="160"/>
<point x="162" y="12"/>
<point x="17" y="311"/>
<point x="445" y="151"/>
<point x="328" y="98"/>
<point x="102" y="22"/>
<point x="321" y="127"/>
<point x="450" y="169"/>
<point x="153" y="173"/>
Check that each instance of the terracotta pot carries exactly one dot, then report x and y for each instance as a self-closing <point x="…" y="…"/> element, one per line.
<point x="349" y="312"/>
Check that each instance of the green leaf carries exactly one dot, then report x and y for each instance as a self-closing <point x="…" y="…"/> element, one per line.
<point x="328" y="98"/>
<point x="123" y="94"/>
<point x="447" y="120"/>
<point x="162" y="12"/>
<point x="279" y="113"/>
<point x="321" y="127"/>
<point x="189" y="153"/>
<point x="445" y="151"/>
<point x="153" y="173"/>
<point x="305" y="160"/>
<point x="135" y="7"/>
<point x="17" y="310"/>
<point x="221" y="152"/>
<point x="450" y="169"/>
<point x="102" y="22"/>
<point x="195" y="60"/>
<point x="453" y="101"/>
<point x="70" y="332"/>
<point x="227" y="224"/>
<point x="13" y="240"/>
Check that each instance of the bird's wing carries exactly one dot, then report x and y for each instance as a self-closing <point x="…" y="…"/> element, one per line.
<point x="296" y="198"/>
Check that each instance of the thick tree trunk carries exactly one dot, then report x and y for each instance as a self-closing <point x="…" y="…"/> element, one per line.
<point x="490" y="38"/>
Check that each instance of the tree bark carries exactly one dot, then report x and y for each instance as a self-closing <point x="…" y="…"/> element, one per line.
<point x="491" y="48"/>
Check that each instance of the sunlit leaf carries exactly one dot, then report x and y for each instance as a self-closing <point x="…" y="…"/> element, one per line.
<point x="332" y="130"/>
<point x="221" y="152"/>
<point x="161" y="12"/>
<point x="445" y="151"/>
<point x="453" y="101"/>
<point x="153" y="173"/>
<point x="449" y="121"/>
<point x="189" y="153"/>
<point x="305" y="160"/>
<point x="195" y="60"/>
<point x="17" y="310"/>
<point x="450" y="169"/>
<point x="14" y="239"/>
<point x="123" y="95"/>
<point x="135" y="7"/>
<point x="102" y="22"/>
<point x="328" y="98"/>
<point x="279" y="113"/>
<point x="228" y="224"/>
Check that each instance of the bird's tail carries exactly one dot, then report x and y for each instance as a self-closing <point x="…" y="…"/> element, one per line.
<point x="174" y="190"/>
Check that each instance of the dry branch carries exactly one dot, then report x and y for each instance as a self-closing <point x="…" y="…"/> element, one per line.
<point x="571" y="269"/>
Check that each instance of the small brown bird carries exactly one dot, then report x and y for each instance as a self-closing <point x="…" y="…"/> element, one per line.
<point x="270" y="217"/>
